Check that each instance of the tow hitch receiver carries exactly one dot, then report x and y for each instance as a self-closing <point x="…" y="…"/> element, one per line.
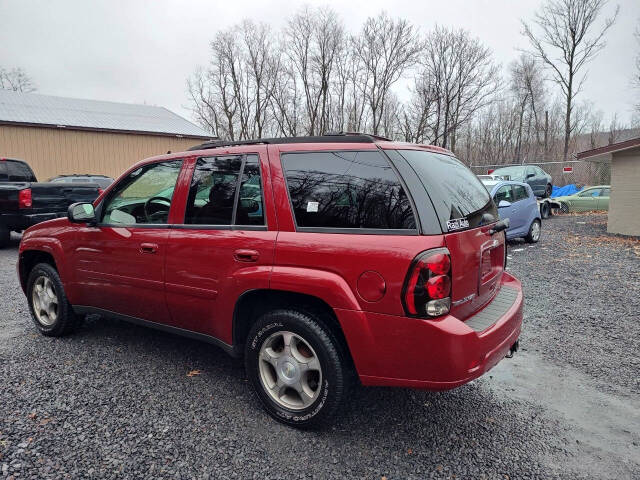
<point x="513" y="349"/>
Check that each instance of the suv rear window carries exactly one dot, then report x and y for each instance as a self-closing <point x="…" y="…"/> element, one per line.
<point x="346" y="190"/>
<point x="459" y="197"/>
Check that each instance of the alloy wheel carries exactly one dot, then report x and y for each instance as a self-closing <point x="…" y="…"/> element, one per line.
<point x="45" y="301"/>
<point x="290" y="370"/>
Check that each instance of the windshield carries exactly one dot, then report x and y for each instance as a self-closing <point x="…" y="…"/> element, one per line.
<point x="459" y="197"/>
<point x="511" y="173"/>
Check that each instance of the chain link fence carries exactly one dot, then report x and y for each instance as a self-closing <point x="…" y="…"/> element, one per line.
<point x="579" y="172"/>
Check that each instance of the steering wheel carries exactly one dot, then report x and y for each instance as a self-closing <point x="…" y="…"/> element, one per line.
<point x="159" y="201"/>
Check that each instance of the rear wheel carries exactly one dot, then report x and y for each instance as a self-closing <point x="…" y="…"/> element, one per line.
<point x="50" y="309"/>
<point x="297" y="368"/>
<point x="534" y="232"/>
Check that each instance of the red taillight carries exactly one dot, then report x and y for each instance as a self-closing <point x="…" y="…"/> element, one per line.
<point x="24" y="198"/>
<point x="439" y="287"/>
<point x="428" y="285"/>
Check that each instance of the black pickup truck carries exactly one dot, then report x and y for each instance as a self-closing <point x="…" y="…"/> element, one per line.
<point x="25" y="202"/>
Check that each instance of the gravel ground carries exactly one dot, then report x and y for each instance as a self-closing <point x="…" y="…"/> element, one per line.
<point x="115" y="400"/>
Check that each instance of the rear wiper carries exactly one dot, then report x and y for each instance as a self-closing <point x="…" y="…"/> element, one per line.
<point x="500" y="226"/>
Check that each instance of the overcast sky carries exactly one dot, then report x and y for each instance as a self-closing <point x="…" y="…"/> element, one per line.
<point x="143" y="51"/>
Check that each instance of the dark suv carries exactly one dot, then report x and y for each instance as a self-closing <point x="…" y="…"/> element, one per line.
<point x="322" y="260"/>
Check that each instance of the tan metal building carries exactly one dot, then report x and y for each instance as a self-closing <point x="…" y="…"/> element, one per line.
<point x="624" y="204"/>
<point x="57" y="135"/>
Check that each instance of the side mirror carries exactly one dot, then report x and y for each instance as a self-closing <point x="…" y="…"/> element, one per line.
<point x="504" y="203"/>
<point x="81" y="213"/>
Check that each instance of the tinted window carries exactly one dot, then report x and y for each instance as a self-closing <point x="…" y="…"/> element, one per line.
<point x="3" y="172"/>
<point x="519" y="193"/>
<point x="214" y="198"/>
<point x="143" y="196"/>
<point x="606" y="192"/>
<point x="455" y="191"/>
<point x="504" y="193"/>
<point x="346" y="190"/>
<point x="18" y="172"/>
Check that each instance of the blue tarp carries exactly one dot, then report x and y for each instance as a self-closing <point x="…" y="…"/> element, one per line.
<point x="563" y="191"/>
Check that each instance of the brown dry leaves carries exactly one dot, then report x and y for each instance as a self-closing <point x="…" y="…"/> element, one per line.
<point x="193" y="373"/>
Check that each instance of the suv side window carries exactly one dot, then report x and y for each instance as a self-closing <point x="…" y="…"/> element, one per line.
<point x="221" y="195"/>
<point x="519" y="193"/>
<point x="3" y="172"/>
<point x="346" y="190"/>
<point x="144" y="196"/>
<point x="504" y="193"/>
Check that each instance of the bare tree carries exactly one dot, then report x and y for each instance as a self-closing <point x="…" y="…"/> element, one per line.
<point x="463" y="79"/>
<point x="314" y="40"/>
<point x="386" y="48"/>
<point x="17" y="80"/>
<point x="567" y="36"/>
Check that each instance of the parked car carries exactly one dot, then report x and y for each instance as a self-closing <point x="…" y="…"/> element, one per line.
<point x="371" y="260"/>
<point x="25" y="202"/>
<point x="535" y="177"/>
<point x="590" y="198"/>
<point x="517" y="202"/>
<point x="102" y="180"/>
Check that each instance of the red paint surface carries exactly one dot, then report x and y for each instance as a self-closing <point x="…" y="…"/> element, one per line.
<point x="195" y="276"/>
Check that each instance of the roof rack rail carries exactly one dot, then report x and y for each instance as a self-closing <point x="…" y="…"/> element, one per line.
<point x="331" y="137"/>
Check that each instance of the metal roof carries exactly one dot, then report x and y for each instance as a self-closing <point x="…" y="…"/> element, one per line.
<point x="44" y="110"/>
<point x="603" y="154"/>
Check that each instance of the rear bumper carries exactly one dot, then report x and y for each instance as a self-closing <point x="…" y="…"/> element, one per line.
<point x="18" y="221"/>
<point x="434" y="354"/>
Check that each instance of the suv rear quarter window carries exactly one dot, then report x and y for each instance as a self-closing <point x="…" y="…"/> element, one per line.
<point x="457" y="194"/>
<point x="346" y="190"/>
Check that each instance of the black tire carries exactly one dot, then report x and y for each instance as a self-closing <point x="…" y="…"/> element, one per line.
<point x="548" y="190"/>
<point x="331" y="384"/>
<point x="5" y="237"/>
<point x="65" y="320"/>
<point x="532" y="236"/>
<point x="545" y="210"/>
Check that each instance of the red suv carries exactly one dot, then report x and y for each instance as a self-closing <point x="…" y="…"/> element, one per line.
<point x="322" y="260"/>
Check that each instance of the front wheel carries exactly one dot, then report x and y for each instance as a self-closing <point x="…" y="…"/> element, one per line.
<point x="297" y="368"/>
<point x="50" y="309"/>
<point x="534" y="232"/>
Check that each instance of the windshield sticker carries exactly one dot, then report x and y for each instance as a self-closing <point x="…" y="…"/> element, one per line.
<point x="312" y="206"/>
<point x="457" y="224"/>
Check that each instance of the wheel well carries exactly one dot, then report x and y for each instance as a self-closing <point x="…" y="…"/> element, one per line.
<point x="254" y="303"/>
<point x="29" y="259"/>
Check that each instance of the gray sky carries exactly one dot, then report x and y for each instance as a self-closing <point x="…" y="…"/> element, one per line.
<point x="143" y="51"/>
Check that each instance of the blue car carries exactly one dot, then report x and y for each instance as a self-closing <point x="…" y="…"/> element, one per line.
<point x="516" y="202"/>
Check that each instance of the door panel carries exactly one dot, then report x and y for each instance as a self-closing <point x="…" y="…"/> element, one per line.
<point x="114" y="274"/>
<point x="207" y="270"/>
<point x="222" y="246"/>
<point x="119" y="264"/>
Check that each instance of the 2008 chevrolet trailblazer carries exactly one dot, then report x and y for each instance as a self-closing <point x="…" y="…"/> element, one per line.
<point x="323" y="260"/>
